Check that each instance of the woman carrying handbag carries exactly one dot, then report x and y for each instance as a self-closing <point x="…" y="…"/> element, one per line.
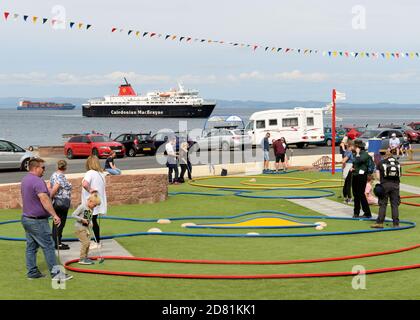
<point x="61" y="198"/>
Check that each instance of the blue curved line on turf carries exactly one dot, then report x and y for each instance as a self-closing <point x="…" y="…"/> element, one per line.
<point x="280" y="172"/>
<point x="409" y="226"/>
<point x="327" y="193"/>
<point x="245" y="193"/>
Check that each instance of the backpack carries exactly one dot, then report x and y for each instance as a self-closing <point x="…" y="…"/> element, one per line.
<point x="392" y="168"/>
<point x="370" y="166"/>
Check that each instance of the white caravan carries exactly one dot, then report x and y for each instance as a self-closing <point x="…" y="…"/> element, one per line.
<point x="298" y="126"/>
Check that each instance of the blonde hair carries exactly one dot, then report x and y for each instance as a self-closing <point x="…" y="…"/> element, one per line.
<point x="184" y="145"/>
<point x="92" y="163"/>
<point x="95" y="198"/>
<point x="62" y="165"/>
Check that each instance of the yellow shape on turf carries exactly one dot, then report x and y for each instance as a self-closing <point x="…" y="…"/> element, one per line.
<point x="259" y="222"/>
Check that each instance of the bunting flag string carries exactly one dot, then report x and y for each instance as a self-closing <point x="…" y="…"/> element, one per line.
<point x="395" y="55"/>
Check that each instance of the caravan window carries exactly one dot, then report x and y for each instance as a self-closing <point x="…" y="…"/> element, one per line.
<point x="310" y="121"/>
<point x="290" y="122"/>
<point x="272" y="122"/>
<point x="260" y="124"/>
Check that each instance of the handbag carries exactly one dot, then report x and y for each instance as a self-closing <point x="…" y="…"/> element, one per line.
<point x="62" y="203"/>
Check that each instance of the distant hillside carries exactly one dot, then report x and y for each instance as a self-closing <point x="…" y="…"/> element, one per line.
<point x="12" y="103"/>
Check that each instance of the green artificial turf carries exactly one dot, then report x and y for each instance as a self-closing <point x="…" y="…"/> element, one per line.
<point x="398" y="285"/>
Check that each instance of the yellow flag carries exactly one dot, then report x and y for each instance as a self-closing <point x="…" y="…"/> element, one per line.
<point x="137" y="33"/>
<point x="388" y="55"/>
<point x="173" y="37"/>
<point x="34" y="19"/>
<point x="80" y="25"/>
<point x="335" y="53"/>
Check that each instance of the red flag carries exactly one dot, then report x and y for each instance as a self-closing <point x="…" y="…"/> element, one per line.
<point x="114" y="29"/>
<point x="6" y="15"/>
<point x="255" y="47"/>
<point x="152" y="34"/>
<point x="287" y="50"/>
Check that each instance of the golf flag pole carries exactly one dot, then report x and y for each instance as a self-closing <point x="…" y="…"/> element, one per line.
<point x="334" y="95"/>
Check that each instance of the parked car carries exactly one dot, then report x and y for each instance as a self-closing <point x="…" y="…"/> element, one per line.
<point x="380" y="133"/>
<point x="224" y="139"/>
<point x="340" y="133"/>
<point x="92" y="144"/>
<point x="412" y="135"/>
<point x="416" y="127"/>
<point x="137" y="143"/>
<point x="13" y="157"/>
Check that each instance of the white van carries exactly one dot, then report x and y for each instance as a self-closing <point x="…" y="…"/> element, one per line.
<point x="298" y="126"/>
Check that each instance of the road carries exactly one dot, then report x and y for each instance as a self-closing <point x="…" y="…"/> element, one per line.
<point x="146" y="162"/>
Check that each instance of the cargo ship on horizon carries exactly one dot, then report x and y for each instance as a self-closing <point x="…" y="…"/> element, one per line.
<point x="175" y="103"/>
<point x="30" y="105"/>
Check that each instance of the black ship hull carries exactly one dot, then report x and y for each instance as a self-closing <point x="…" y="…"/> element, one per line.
<point x="153" y="111"/>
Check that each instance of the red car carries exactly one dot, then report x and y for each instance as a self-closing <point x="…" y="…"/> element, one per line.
<point x="416" y="127"/>
<point x="92" y="144"/>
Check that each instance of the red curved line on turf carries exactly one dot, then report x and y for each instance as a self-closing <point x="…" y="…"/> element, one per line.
<point x="259" y="276"/>
<point x="255" y="276"/>
<point x="411" y="203"/>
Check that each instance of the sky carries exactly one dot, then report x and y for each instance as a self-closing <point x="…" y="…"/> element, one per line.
<point x="39" y="61"/>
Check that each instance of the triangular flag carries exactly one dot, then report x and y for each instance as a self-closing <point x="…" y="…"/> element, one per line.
<point x="188" y="39"/>
<point x="356" y="54"/>
<point x="273" y="49"/>
<point x="255" y="47"/>
<point x="346" y="54"/>
<point x="235" y="44"/>
<point x="324" y="53"/>
<point x="383" y="55"/>
<point x="6" y="15"/>
<point x="287" y="50"/>
<point x="80" y="25"/>
<point x="203" y="40"/>
<point x="278" y="49"/>
<point x="25" y="17"/>
<point x="173" y="37"/>
<point x="88" y="26"/>
<point x="72" y="24"/>
<point x="417" y="54"/>
<point x="44" y="20"/>
<point x="341" y="53"/>
<point x="145" y="33"/>
<point x="209" y="41"/>
<point x="329" y="53"/>
<point x="129" y="32"/>
<point x="15" y="16"/>
<point x="397" y="55"/>
<point x="180" y="39"/>
<point x="34" y="19"/>
<point x="152" y="34"/>
<point x="137" y="33"/>
<point x="114" y="29"/>
<point x="266" y="48"/>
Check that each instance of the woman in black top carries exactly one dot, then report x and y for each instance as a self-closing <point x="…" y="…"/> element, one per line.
<point x="184" y="161"/>
<point x="110" y="165"/>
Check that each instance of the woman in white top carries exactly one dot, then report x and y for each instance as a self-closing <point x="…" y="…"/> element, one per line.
<point x="94" y="182"/>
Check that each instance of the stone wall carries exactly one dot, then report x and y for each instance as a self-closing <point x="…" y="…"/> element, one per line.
<point x="124" y="189"/>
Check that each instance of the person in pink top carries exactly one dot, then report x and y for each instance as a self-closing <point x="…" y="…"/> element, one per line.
<point x="371" y="199"/>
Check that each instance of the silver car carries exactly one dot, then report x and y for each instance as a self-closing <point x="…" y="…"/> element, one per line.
<point x="224" y="139"/>
<point x="13" y="157"/>
<point x="380" y="133"/>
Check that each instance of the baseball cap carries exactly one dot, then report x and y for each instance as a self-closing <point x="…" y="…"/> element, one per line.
<point x="393" y="135"/>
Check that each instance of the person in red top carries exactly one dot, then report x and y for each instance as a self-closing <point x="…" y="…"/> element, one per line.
<point x="279" y="147"/>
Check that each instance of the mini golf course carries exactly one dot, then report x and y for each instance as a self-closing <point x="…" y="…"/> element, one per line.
<point x="249" y="233"/>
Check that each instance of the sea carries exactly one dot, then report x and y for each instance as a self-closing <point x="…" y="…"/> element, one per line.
<point x="47" y="127"/>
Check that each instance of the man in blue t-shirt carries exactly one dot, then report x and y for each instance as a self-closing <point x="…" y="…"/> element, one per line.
<point x="265" y="144"/>
<point x="37" y="208"/>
